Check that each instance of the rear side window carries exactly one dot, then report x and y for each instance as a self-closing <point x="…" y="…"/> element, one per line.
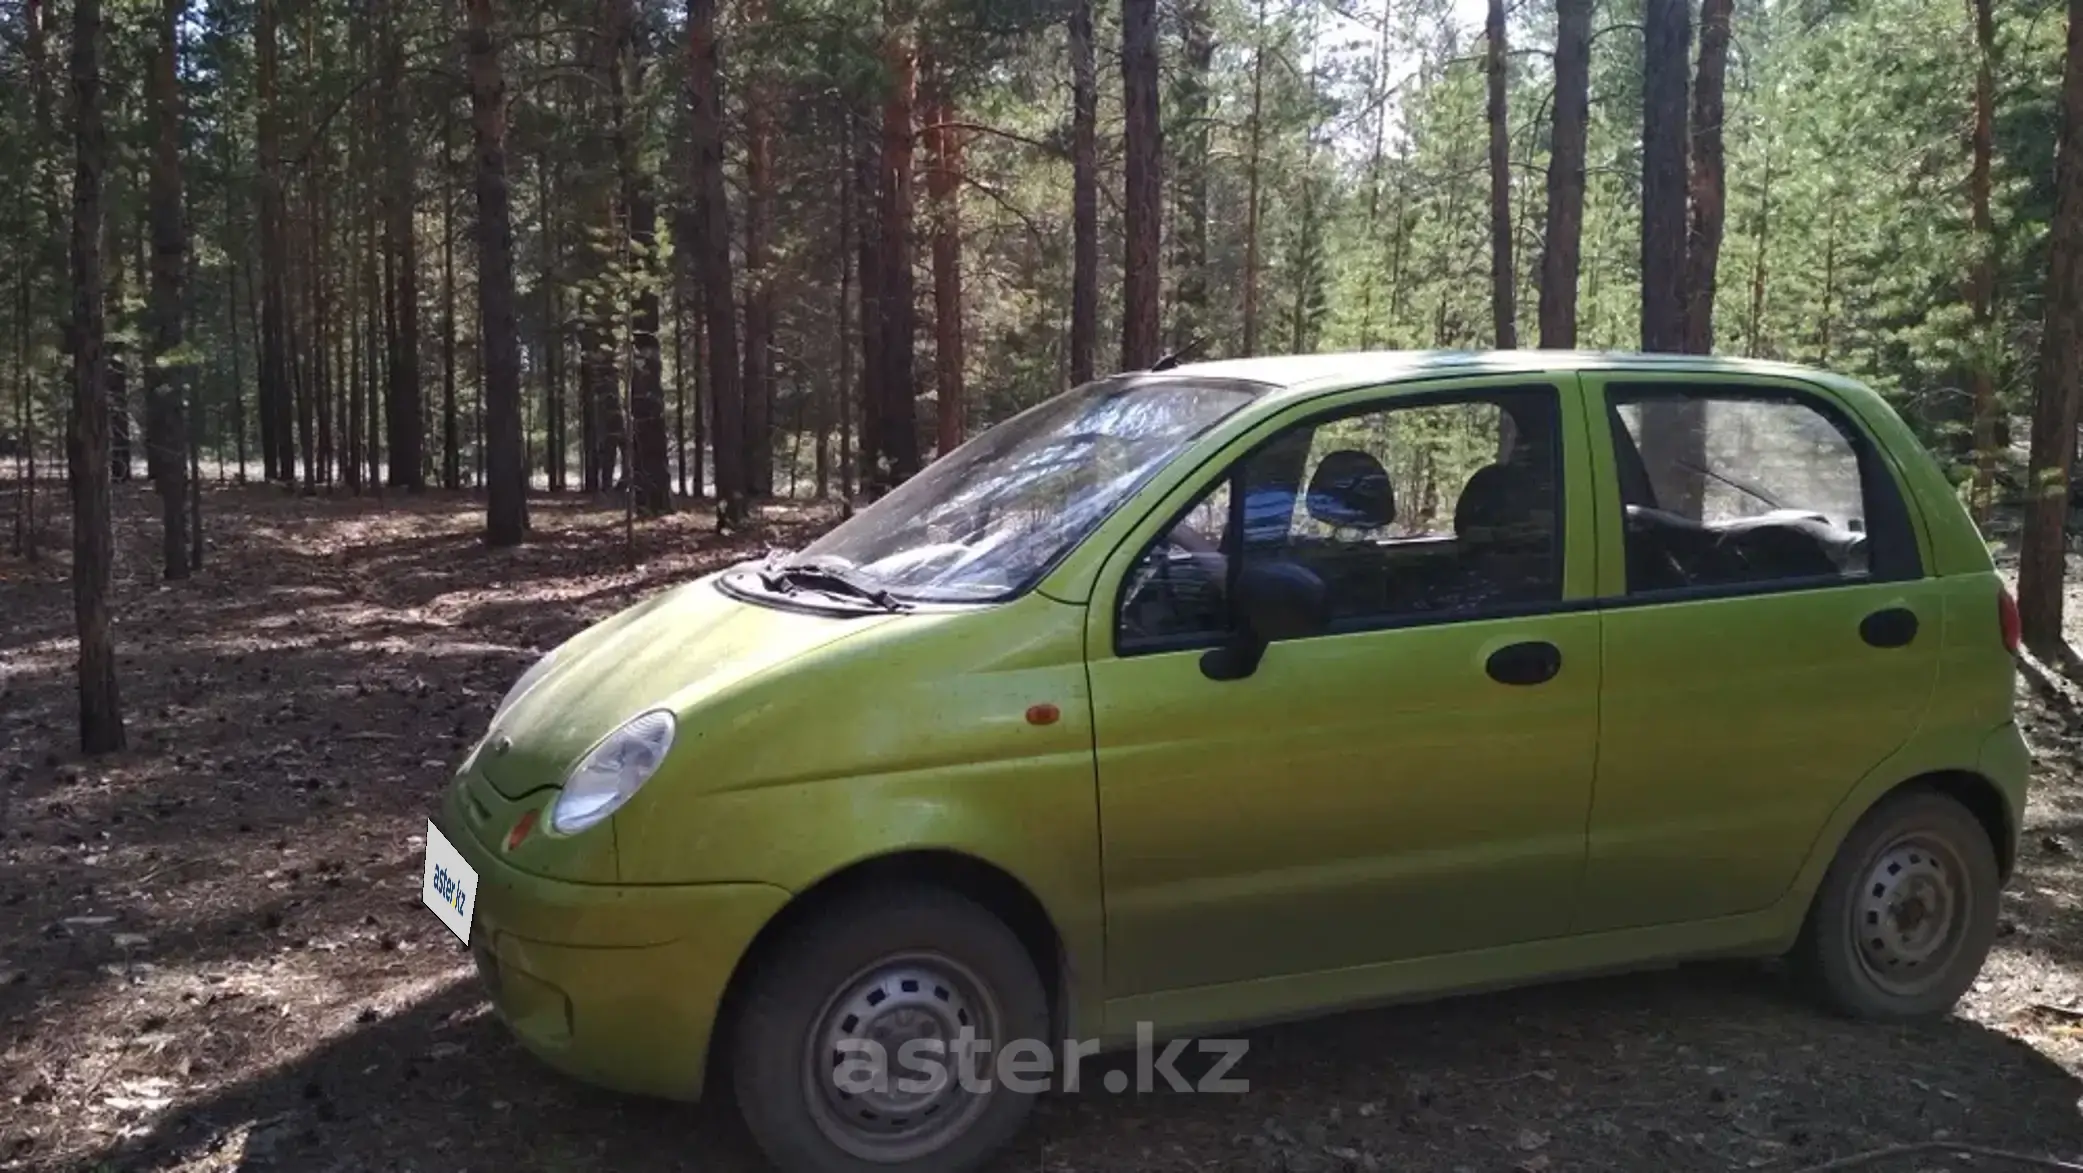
<point x="1727" y="489"/>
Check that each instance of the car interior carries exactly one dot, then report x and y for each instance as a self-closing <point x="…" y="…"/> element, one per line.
<point x="1669" y="550"/>
<point x="1500" y="551"/>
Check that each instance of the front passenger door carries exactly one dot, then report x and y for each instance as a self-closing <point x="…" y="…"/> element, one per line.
<point x="1373" y="792"/>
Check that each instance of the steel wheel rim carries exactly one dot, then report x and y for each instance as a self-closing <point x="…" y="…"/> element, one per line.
<point x="1910" y="913"/>
<point x="904" y="1115"/>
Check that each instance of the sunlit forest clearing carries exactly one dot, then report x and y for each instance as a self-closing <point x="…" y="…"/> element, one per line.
<point x="352" y="352"/>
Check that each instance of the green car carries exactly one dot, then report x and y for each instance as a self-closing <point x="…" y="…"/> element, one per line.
<point x="1239" y="691"/>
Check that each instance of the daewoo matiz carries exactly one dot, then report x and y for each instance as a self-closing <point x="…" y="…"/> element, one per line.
<point x="1246" y="690"/>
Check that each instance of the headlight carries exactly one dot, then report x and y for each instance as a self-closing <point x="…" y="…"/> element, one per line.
<point x="612" y="771"/>
<point x="528" y="680"/>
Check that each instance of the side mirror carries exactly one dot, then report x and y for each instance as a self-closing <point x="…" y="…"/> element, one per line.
<point x="1271" y="601"/>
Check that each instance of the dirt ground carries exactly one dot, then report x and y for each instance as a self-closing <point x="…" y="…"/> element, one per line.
<point x="213" y="955"/>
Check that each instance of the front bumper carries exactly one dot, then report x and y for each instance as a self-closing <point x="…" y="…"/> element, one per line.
<point x="617" y="985"/>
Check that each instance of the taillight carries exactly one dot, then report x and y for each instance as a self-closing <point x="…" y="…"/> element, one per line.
<point x="2007" y="616"/>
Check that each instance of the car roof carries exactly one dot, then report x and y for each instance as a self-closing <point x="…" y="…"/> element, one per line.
<point x="1316" y="373"/>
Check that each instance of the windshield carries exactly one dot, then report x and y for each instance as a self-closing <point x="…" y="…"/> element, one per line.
<point x="984" y="521"/>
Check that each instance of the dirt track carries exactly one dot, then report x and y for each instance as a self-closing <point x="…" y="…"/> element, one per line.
<point x="213" y="956"/>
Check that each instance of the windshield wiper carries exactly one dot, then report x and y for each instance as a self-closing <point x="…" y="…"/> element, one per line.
<point x="828" y="577"/>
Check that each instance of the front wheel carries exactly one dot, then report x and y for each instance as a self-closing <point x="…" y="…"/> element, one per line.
<point x="820" y="1051"/>
<point x="1906" y="912"/>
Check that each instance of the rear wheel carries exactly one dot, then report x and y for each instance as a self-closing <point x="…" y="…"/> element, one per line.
<point x="1906" y="912"/>
<point x="818" y="1051"/>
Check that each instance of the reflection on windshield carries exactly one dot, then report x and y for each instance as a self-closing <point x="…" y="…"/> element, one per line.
<point x="985" y="520"/>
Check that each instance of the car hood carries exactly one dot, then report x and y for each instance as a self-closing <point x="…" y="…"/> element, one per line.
<point x="670" y="651"/>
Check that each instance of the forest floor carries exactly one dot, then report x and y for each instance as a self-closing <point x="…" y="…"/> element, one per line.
<point x="213" y="954"/>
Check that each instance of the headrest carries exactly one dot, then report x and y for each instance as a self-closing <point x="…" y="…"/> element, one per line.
<point x="1351" y="489"/>
<point x="1501" y="502"/>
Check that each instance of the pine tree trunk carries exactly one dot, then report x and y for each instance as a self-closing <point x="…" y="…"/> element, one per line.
<point x="1752" y="340"/>
<point x="1504" y="305"/>
<point x="1666" y="35"/>
<point x="844" y="392"/>
<point x="1981" y="284"/>
<point x="403" y="408"/>
<point x="1084" y="285"/>
<point x="1673" y="433"/>
<point x="1190" y="167"/>
<point x="1252" y="162"/>
<point x="2043" y="555"/>
<point x="867" y="205"/>
<point x="898" y="413"/>
<point x="164" y="369"/>
<point x="93" y="544"/>
<point x="277" y="462"/>
<point x="650" y="474"/>
<point x="506" y="487"/>
<point x="759" y="291"/>
<point x="119" y="360"/>
<point x="1143" y="143"/>
<point x="451" y="438"/>
<point x="1703" y="243"/>
<point x="943" y="189"/>
<point x="712" y="246"/>
<point x="1562" y="256"/>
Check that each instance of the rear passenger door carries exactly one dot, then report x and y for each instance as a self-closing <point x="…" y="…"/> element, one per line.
<point x="1769" y="637"/>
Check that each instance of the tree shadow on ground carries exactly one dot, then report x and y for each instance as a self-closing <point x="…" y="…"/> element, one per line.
<point x="1701" y="1067"/>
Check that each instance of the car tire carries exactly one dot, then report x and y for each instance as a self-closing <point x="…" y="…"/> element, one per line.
<point x="885" y="964"/>
<point x="1905" y="914"/>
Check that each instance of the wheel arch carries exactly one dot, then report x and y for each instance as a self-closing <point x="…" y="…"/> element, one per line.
<point x="1000" y="893"/>
<point x="1982" y="797"/>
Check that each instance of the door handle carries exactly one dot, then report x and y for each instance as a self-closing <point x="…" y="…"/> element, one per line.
<point x="1892" y="628"/>
<point x="1533" y="662"/>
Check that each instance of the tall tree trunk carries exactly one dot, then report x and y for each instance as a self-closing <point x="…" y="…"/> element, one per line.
<point x="680" y="378"/>
<point x="1757" y="268"/>
<point x="944" y="190"/>
<point x="1084" y="283"/>
<point x="599" y="357"/>
<point x="1252" y="162"/>
<point x="1673" y="433"/>
<point x="451" y="437"/>
<point x="1143" y="142"/>
<point x="1666" y="35"/>
<point x="275" y="443"/>
<point x="874" y="374"/>
<point x="93" y="544"/>
<point x="1561" y="256"/>
<point x="650" y="475"/>
<point x="1190" y="168"/>
<point x="1981" y="283"/>
<point x="2043" y="557"/>
<point x="506" y="488"/>
<point x="403" y="409"/>
<point x="1703" y="243"/>
<point x="119" y="360"/>
<point x="899" y="409"/>
<point x="712" y="246"/>
<point x="553" y="453"/>
<point x="759" y="289"/>
<point x="1378" y="96"/>
<point x="322" y="328"/>
<point x="1504" y="304"/>
<point x="165" y="370"/>
<point x="844" y="393"/>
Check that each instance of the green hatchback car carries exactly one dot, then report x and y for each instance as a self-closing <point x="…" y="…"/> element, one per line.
<point x="1247" y="690"/>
